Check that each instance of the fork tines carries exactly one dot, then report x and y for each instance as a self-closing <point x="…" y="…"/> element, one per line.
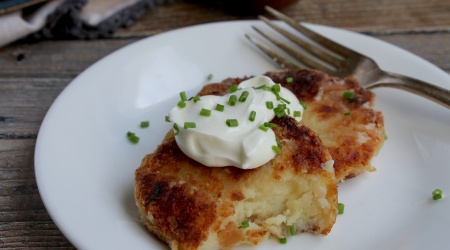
<point x="319" y="52"/>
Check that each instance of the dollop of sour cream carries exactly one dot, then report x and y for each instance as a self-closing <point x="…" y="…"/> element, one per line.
<point x="215" y="143"/>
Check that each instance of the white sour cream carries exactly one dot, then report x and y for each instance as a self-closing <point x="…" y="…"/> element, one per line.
<point x="215" y="144"/>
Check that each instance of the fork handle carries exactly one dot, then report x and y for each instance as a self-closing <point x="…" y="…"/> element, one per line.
<point x="424" y="89"/>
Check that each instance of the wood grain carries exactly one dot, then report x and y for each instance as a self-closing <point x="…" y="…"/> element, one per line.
<point x="33" y="74"/>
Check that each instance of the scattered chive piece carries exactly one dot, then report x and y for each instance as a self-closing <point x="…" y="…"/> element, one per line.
<point x="244" y="224"/>
<point x="347" y="113"/>
<point x="289" y="80"/>
<point x="289" y="111"/>
<point x="269" y="105"/>
<point x="145" y="124"/>
<point x="292" y="230"/>
<point x="284" y="100"/>
<point x="269" y="125"/>
<point x="181" y="104"/>
<point x="341" y="208"/>
<point x="276" y="88"/>
<point x="243" y="96"/>
<point x="232" y="100"/>
<point x="220" y="107"/>
<point x="195" y="98"/>
<point x="297" y="113"/>
<point x="252" y="116"/>
<point x="437" y="194"/>
<point x="189" y="125"/>
<point x="232" y="122"/>
<point x="205" y="112"/>
<point x="348" y="95"/>
<point x="276" y="149"/>
<point x="209" y="77"/>
<point x="132" y="137"/>
<point x="263" y="128"/>
<point x="280" y="114"/>
<point x="176" y="130"/>
<point x="279" y="145"/>
<point x="183" y="96"/>
<point x="303" y="105"/>
<point x="283" y="240"/>
<point x="233" y="89"/>
<point x="279" y="108"/>
<point x="385" y="137"/>
<point x="167" y="118"/>
<point x="265" y="87"/>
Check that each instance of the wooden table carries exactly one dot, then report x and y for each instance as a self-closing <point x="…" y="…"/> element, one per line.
<point x="32" y="76"/>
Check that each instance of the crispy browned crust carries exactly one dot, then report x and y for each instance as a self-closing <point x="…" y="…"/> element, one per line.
<point x="351" y="129"/>
<point x="186" y="204"/>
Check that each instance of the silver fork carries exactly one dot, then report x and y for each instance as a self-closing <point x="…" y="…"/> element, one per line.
<point x="335" y="59"/>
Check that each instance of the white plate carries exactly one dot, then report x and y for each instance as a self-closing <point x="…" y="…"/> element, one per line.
<point x="85" y="165"/>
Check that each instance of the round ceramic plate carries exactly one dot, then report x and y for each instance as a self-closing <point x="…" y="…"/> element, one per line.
<point x="85" y="165"/>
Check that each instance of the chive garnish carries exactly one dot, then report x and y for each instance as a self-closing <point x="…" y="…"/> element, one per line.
<point x="276" y="88"/>
<point x="348" y="95"/>
<point x="243" y="96"/>
<point x="269" y="125"/>
<point x="232" y="122"/>
<point x="220" y="107"/>
<point x="167" y="118"/>
<point x="252" y="116"/>
<point x="347" y="113"/>
<point x="132" y="137"/>
<point x="289" y="79"/>
<point x="280" y="114"/>
<point x="181" y="104"/>
<point x="145" y="124"/>
<point x="341" y="208"/>
<point x="176" y="130"/>
<point x="385" y="137"/>
<point x="283" y="240"/>
<point x="189" y="125"/>
<point x="233" y="89"/>
<point x="297" y="113"/>
<point x="292" y="230"/>
<point x="303" y="105"/>
<point x="263" y="128"/>
<point x="269" y="105"/>
<point x="279" y="145"/>
<point x="209" y="77"/>
<point x="276" y="149"/>
<point x="232" y="100"/>
<point x="244" y="224"/>
<point x="205" y="112"/>
<point x="195" y="98"/>
<point x="437" y="194"/>
<point x="183" y="96"/>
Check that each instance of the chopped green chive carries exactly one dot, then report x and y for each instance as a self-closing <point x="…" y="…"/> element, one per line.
<point x="437" y="194"/>
<point x="232" y="122"/>
<point x="265" y="87"/>
<point x="232" y="100"/>
<point x="195" y="98"/>
<point x="220" y="107"/>
<point x="279" y="108"/>
<point x="269" y="105"/>
<point x="280" y="114"/>
<point x="348" y="113"/>
<point x="279" y="145"/>
<point x="183" y="96"/>
<point x="252" y="116"/>
<point x="348" y="95"/>
<point x="283" y="240"/>
<point x="289" y="79"/>
<point x="292" y="230"/>
<point x="276" y="88"/>
<point x="189" y="125"/>
<point x="297" y="113"/>
<point x="263" y="128"/>
<point x="385" y="137"/>
<point x="167" y="118"/>
<point x="243" y="96"/>
<point x="145" y="124"/>
<point x="132" y="137"/>
<point x="209" y="77"/>
<point x="283" y="100"/>
<point x="341" y="208"/>
<point x="303" y="105"/>
<point x="276" y="149"/>
<point x="181" y="104"/>
<point x="205" y="112"/>
<point x="244" y="224"/>
<point x="176" y="130"/>
<point x="233" y="89"/>
<point x="270" y="125"/>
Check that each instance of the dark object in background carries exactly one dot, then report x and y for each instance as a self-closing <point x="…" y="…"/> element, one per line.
<point x="246" y="7"/>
